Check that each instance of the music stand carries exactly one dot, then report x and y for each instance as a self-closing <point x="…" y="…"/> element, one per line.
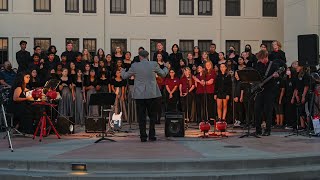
<point x="103" y="99"/>
<point x="249" y="76"/>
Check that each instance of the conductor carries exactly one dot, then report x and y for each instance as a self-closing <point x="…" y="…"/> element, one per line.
<point x="145" y="91"/>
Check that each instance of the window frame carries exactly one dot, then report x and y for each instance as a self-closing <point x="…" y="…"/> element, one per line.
<point x="158" y="13"/>
<point x="119" y="12"/>
<point x="95" y="45"/>
<point x="232" y="1"/>
<point x="41" y="10"/>
<point x="86" y="11"/>
<point x="205" y="14"/>
<point x="7" y="7"/>
<point x="73" y="39"/>
<point x="274" y="11"/>
<point x="119" y="39"/>
<point x="42" y="39"/>
<point x="71" y="11"/>
<point x="181" y="13"/>
<point x="4" y="50"/>
<point x="185" y="52"/>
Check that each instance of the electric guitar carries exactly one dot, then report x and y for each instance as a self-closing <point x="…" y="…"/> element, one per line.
<point x="258" y="88"/>
<point x="115" y="122"/>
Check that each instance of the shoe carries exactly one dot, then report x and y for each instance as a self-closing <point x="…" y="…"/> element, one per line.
<point x="237" y="123"/>
<point x="153" y="139"/>
<point x="143" y="140"/>
<point x="258" y="133"/>
<point x="266" y="133"/>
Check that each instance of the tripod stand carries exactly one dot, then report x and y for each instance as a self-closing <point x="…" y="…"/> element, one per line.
<point x="103" y="99"/>
<point x="6" y="127"/>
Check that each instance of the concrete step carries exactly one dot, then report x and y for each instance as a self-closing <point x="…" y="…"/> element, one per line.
<point x="161" y="165"/>
<point x="284" y="173"/>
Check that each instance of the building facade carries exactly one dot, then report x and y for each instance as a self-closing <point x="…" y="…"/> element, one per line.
<point x="301" y="17"/>
<point x="130" y="24"/>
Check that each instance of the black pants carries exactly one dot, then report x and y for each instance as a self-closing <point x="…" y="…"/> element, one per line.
<point x="200" y="109"/>
<point x="173" y="103"/>
<point x="239" y="111"/>
<point x="151" y="105"/>
<point x="290" y="113"/>
<point x="186" y="105"/>
<point x="264" y="106"/>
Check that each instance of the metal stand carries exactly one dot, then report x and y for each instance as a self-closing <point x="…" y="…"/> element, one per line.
<point x="7" y="128"/>
<point x="105" y="134"/>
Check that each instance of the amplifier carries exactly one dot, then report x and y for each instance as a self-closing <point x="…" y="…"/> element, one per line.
<point x="95" y="124"/>
<point x="174" y="125"/>
<point x="65" y="125"/>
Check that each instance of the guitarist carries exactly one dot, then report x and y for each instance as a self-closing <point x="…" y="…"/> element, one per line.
<point x="264" y="100"/>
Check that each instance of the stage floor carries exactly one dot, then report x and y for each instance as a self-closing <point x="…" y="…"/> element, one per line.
<point x="81" y="146"/>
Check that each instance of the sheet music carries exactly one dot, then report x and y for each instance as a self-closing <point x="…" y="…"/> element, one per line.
<point x="29" y="93"/>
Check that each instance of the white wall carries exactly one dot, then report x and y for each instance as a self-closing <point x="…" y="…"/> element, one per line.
<point x="300" y="17"/>
<point x="138" y="26"/>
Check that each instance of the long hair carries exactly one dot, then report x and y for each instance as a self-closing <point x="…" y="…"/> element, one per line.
<point x="210" y="70"/>
<point x="188" y="79"/>
<point x="19" y="81"/>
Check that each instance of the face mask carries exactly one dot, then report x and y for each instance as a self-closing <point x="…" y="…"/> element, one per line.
<point x="231" y="51"/>
<point x="247" y="50"/>
<point x="288" y="73"/>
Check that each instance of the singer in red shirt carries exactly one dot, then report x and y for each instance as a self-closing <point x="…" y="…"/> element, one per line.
<point x="186" y="88"/>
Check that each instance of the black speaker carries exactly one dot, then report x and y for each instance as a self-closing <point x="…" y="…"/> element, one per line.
<point x="308" y="50"/>
<point x="174" y="125"/>
<point x="95" y="125"/>
<point x="65" y="125"/>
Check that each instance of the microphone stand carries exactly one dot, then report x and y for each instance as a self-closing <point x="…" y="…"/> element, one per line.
<point x="233" y="103"/>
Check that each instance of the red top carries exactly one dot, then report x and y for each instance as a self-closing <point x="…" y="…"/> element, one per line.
<point x="185" y="84"/>
<point x="210" y="88"/>
<point x="171" y="83"/>
<point x="200" y="88"/>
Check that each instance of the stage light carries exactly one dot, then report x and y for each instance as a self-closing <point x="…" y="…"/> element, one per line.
<point x="79" y="167"/>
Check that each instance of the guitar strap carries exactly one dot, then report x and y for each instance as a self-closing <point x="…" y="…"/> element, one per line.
<point x="269" y="66"/>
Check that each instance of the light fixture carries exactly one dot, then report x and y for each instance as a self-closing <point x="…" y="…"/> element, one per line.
<point x="79" y="167"/>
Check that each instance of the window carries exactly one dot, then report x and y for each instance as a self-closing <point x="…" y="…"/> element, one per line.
<point x="72" y="6"/>
<point x="270" y="8"/>
<point x="3" y="5"/>
<point x="153" y="46"/>
<point x="44" y="43"/>
<point x="186" y="46"/>
<point x="89" y="6"/>
<point x="118" y="6"/>
<point x="122" y="43"/>
<point x="75" y="42"/>
<point x="204" y="45"/>
<point x="42" y="5"/>
<point x="91" y="45"/>
<point x="186" y="7"/>
<point x="268" y="44"/>
<point x="157" y="6"/>
<point x="233" y="7"/>
<point x="3" y="50"/>
<point x="205" y="7"/>
<point x="234" y="43"/>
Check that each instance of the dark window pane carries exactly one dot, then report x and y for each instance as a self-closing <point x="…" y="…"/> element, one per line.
<point x="42" y="5"/>
<point x="3" y="50"/>
<point x="3" y="5"/>
<point x="75" y="42"/>
<point x="157" y="6"/>
<point x="186" y="7"/>
<point x="270" y="8"/>
<point x="72" y="6"/>
<point x="118" y="6"/>
<point x="89" y="6"/>
<point x="204" y="45"/>
<point x="153" y="45"/>
<point x="44" y="43"/>
<point x="234" y="43"/>
<point x="233" y="7"/>
<point x="122" y="43"/>
<point x="268" y="43"/>
<point x="186" y="46"/>
<point x="205" y="7"/>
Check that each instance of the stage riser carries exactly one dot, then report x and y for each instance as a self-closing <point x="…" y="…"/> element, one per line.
<point x="161" y="166"/>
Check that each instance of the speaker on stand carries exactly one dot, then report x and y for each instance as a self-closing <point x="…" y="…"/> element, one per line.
<point x="308" y="50"/>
